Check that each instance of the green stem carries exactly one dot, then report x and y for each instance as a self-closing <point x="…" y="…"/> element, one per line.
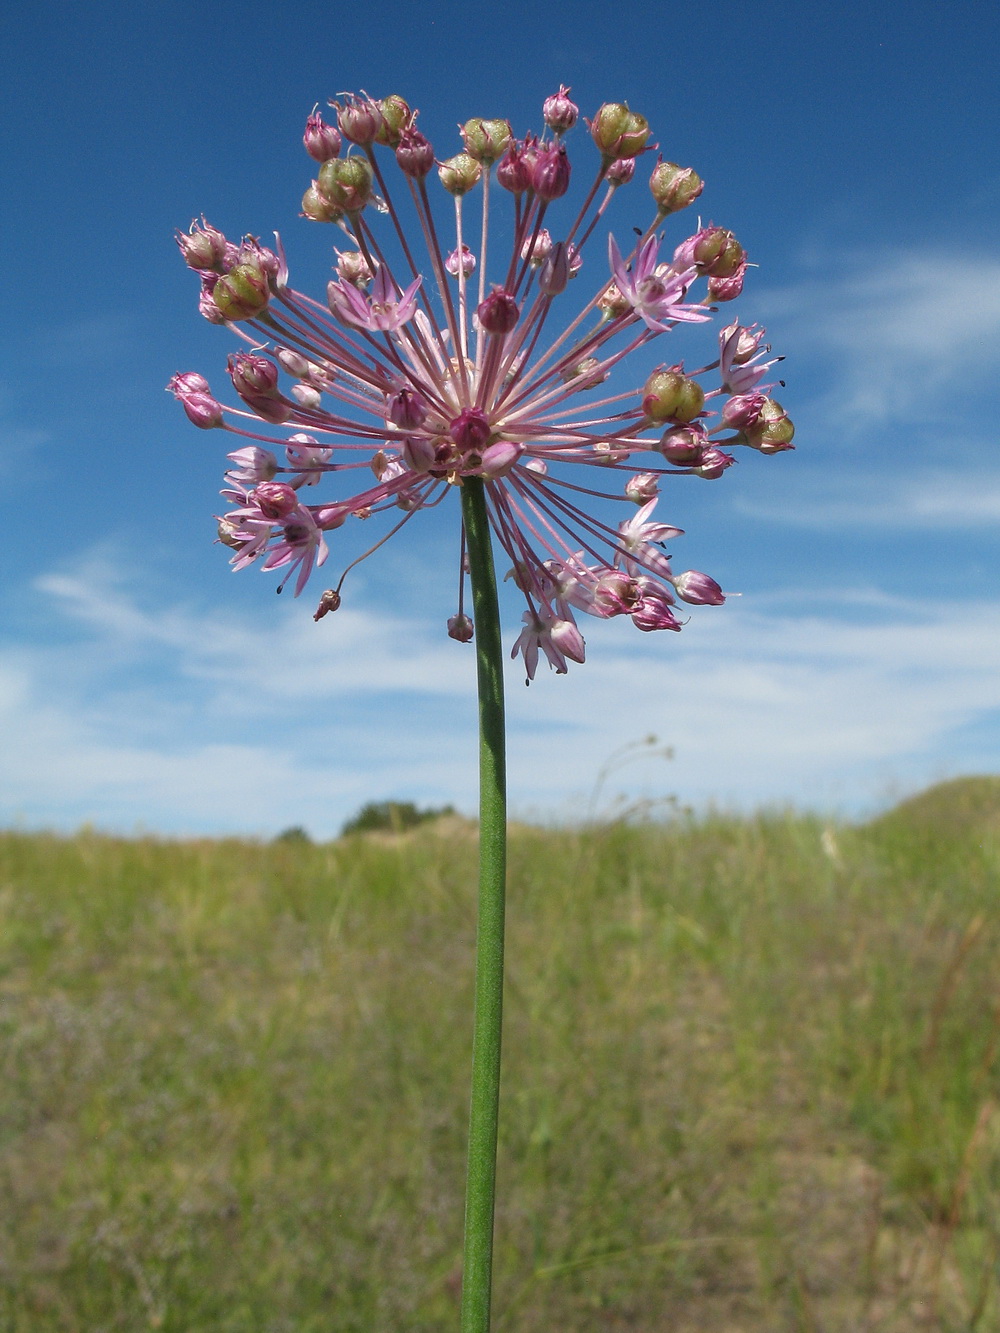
<point x="482" y="1169"/>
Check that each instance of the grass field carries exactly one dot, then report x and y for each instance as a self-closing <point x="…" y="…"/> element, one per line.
<point x="752" y="1078"/>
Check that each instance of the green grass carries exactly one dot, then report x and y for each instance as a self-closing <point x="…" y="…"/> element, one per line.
<point x="751" y="1078"/>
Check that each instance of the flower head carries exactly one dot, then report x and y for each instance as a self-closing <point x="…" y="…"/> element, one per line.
<point x="407" y="384"/>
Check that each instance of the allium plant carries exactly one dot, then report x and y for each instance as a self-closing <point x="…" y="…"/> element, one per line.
<point x="470" y="367"/>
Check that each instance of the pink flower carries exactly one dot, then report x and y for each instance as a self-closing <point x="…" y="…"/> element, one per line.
<point x="638" y="538"/>
<point x="655" y="292"/>
<point x="385" y="310"/>
<point x="698" y="589"/>
<point x="557" y="638"/>
<point x="740" y="355"/>
<point x="405" y="384"/>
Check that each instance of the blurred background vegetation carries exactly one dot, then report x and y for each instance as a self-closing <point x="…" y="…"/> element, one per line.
<point x="751" y="1076"/>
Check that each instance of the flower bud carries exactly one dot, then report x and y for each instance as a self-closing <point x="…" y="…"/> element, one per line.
<point x="414" y="155"/>
<point x="584" y="374"/>
<point x="188" y="381"/>
<point x="555" y="272"/>
<point x="499" y="458"/>
<point x="619" y="132"/>
<point x="748" y="340"/>
<point x="499" y="313"/>
<point x="255" y="379"/>
<point x="743" y="410"/>
<point x="620" y="172"/>
<point x="684" y="445"/>
<point x="607" y="454"/>
<point x="346" y="182"/>
<point x="559" y="112"/>
<point x="674" y="187"/>
<point x="654" y="609"/>
<point x="698" y="589"/>
<point x="470" y="430"/>
<point x="317" y="208"/>
<point x="406" y="409"/>
<point x="242" y="293"/>
<point x="612" y="303"/>
<point x="329" y="601"/>
<point x="713" y="463"/>
<point x="615" y="593"/>
<point x="252" y="252"/>
<point x="715" y="251"/>
<point x="567" y="639"/>
<point x="322" y="141"/>
<point x="206" y="301"/>
<point x="460" y="628"/>
<point x="396" y="115"/>
<point x="307" y="395"/>
<point x="334" y="516"/>
<point x="486" y="140"/>
<point x="644" y="486"/>
<point x="466" y="262"/>
<point x="360" y="120"/>
<point x="537" y="247"/>
<point x="353" y="267"/>
<point x="550" y="172"/>
<point x="193" y="393"/>
<point x="669" y="395"/>
<point x="459" y="174"/>
<point x="202" y="246"/>
<point x="293" y="362"/>
<point x="419" y="453"/>
<point x="276" y="500"/>
<point x="727" y="289"/>
<point x="773" y="431"/>
<point x="253" y="374"/>
<point x="512" y="171"/>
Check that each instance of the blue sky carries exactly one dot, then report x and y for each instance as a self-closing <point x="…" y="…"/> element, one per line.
<point x="853" y="149"/>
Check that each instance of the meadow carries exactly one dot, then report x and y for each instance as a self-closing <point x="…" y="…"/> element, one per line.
<point x="752" y="1078"/>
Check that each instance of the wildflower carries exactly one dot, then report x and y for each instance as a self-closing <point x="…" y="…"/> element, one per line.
<point x="559" y="111"/>
<point x="406" y="384"/>
<point x="655" y="293"/>
<point x="384" y="311"/>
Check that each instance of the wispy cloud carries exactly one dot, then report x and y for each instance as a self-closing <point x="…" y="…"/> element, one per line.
<point x="242" y="730"/>
<point x="921" y="499"/>
<point x="907" y="333"/>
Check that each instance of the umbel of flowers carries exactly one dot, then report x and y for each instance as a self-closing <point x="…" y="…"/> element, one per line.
<point x="431" y="361"/>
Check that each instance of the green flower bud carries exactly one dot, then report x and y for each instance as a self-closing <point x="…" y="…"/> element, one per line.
<point x="459" y="174"/>
<point x="486" y="140"/>
<point x="730" y="257"/>
<point x="669" y="395"/>
<point x="619" y="132"/>
<point x="717" y="252"/>
<point x="319" y="209"/>
<point x="242" y="293"/>
<point x="772" y="432"/>
<point x="674" y="187"/>
<point x="346" y="182"/>
<point x="396" y="115"/>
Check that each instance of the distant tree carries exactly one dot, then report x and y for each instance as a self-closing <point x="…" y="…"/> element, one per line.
<point x="295" y="834"/>
<point x="392" y="817"/>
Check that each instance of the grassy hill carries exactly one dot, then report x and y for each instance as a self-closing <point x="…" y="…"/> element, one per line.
<point x="751" y="1078"/>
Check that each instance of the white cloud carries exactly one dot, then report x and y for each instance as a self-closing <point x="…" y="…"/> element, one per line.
<point x="232" y="728"/>
<point x="909" y="333"/>
<point x="927" y="498"/>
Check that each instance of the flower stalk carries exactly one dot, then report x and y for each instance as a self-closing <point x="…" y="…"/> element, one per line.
<point x="487" y="1023"/>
